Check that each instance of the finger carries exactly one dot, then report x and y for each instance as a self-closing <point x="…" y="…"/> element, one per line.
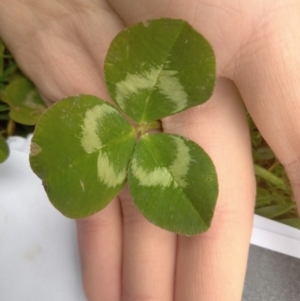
<point x="268" y="78"/>
<point x="211" y="266"/>
<point x="148" y="257"/>
<point x="60" y="47"/>
<point x="100" y="246"/>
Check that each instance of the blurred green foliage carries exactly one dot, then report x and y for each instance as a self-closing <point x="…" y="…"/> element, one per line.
<point x="274" y="197"/>
<point x="20" y="102"/>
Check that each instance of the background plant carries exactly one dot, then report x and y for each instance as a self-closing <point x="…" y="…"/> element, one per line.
<point x="20" y="102"/>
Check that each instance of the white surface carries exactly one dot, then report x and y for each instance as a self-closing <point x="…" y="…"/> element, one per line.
<point x="39" y="259"/>
<point x="276" y="236"/>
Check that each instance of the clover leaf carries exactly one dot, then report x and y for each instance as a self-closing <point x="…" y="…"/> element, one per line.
<point x="84" y="149"/>
<point x="24" y="100"/>
<point x="81" y="148"/>
<point x="173" y="183"/>
<point x="157" y="68"/>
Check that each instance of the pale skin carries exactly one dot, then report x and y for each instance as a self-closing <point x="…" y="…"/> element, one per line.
<point x="61" y="46"/>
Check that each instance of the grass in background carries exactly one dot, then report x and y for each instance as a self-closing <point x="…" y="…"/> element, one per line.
<point x="274" y="198"/>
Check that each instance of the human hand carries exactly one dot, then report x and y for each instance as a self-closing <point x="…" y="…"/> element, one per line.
<point x="61" y="47"/>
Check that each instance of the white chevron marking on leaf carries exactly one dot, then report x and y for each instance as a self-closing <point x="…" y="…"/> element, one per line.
<point x="166" y="81"/>
<point x="159" y="176"/>
<point x="107" y="173"/>
<point x="180" y="165"/>
<point x="133" y="83"/>
<point x="170" y="86"/>
<point x="90" y="140"/>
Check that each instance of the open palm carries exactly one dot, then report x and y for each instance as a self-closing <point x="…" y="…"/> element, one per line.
<point x="61" y="46"/>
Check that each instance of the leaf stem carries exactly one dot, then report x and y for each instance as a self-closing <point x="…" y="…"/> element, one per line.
<point x="147" y="127"/>
<point x="10" y="128"/>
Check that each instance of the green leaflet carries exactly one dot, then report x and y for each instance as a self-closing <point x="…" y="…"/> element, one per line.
<point x="80" y="149"/>
<point x="157" y="68"/>
<point x="4" y="150"/>
<point x="173" y="182"/>
<point x="24" y="100"/>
